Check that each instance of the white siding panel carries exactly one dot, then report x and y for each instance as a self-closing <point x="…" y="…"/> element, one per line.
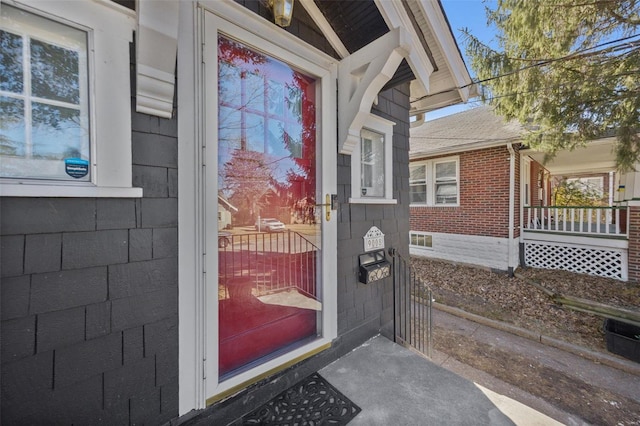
<point x="490" y="252"/>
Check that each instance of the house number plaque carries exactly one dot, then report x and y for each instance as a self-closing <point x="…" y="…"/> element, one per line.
<point x="373" y="239"/>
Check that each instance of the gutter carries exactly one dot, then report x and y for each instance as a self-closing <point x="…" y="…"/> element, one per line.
<point x="512" y="202"/>
<point x="459" y="148"/>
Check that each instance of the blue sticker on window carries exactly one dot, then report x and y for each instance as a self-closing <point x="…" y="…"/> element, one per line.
<point x="76" y="167"/>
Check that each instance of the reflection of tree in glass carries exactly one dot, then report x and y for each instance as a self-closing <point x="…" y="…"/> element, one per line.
<point x="54" y="72"/>
<point x="246" y="179"/>
<point x="266" y="131"/>
<point x="231" y="52"/>
<point x="11" y="110"/>
<point x="301" y="105"/>
<point x="10" y="62"/>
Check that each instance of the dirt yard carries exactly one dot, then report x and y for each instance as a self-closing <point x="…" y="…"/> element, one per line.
<point x="513" y="300"/>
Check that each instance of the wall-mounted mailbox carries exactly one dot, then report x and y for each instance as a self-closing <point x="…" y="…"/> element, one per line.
<point x="374" y="266"/>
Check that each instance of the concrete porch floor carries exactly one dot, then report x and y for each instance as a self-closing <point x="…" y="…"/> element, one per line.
<point x="396" y="386"/>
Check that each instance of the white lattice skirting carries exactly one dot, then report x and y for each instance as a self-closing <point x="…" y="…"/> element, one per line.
<point x="603" y="262"/>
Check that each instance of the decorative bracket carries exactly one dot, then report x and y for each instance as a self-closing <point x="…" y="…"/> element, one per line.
<point x="156" y="47"/>
<point x="361" y="76"/>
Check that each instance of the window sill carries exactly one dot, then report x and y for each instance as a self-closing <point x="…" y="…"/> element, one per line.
<point x="70" y="191"/>
<point x="372" y="201"/>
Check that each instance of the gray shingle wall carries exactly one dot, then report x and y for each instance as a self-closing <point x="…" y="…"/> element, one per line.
<point x="89" y="298"/>
<point x="371" y="305"/>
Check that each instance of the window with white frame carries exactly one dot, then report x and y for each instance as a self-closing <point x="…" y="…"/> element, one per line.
<point x="371" y="163"/>
<point x="434" y="182"/>
<point x="64" y="99"/>
<point x="43" y="98"/>
<point x="418" y="239"/>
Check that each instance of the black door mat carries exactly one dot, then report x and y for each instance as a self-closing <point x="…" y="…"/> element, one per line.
<point x="311" y="402"/>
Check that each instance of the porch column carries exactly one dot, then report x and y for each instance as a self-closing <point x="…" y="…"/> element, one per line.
<point x="634" y="243"/>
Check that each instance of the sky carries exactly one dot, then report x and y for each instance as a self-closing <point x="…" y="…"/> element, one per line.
<point x="465" y="14"/>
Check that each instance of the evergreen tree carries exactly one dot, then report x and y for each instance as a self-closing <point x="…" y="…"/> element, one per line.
<point x="569" y="70"/>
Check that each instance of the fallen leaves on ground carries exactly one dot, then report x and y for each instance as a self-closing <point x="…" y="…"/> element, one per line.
<point x="497" y="296"/>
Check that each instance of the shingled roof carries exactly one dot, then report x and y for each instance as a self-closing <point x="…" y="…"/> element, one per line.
<point x="472" y="129"/>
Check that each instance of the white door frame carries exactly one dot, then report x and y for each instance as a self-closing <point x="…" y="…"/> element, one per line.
<point x="197" y="174"/>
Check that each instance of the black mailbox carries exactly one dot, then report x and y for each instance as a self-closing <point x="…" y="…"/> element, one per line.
<point x="374" y="266"/>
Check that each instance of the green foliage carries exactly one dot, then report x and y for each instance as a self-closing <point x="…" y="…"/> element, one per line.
<point x="577" y="193"/>
<point x="568" y="70"/>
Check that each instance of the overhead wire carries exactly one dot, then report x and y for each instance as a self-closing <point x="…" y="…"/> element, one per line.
<point x="572" y="56"/>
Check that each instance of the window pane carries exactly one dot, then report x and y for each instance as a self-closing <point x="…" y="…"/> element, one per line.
<point x="417" y="173"/>
<point x="254" y="92"/>
<point x="230" y="127"/>
<point x="11" y="127"/>
<point x="446" y="193"/>
<point x="229" y="87"/>
<point x="57" y="133"/>
<point x="275" y="101"/>
<point x="372" y="164"/>
<point x="293" y="139"/>
<point x="418" y="194"/>
<point x="255" y="132"/>
<point x="54" y="72"/>
<point x="446" y="171"/>
<point x="10" y="62"/>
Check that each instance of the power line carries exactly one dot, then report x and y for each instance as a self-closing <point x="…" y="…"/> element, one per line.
<point x="571" y="56"/>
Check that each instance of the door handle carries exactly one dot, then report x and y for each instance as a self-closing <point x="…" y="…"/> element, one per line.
<point x="331" y="203"/>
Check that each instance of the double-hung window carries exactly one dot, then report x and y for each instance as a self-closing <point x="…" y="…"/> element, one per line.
<point x="65" y="117"/>
<point x="434" y="182"/>
<point x="44" y="132"/>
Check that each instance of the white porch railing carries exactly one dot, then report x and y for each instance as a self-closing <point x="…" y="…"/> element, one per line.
<point x="589" y="221"/>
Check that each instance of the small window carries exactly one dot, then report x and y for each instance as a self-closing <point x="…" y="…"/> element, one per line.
<point x="371" y="164"/>
<point x="434" y="182"/>
<point x="43" y="99"/>
<point x="420" y="240"/>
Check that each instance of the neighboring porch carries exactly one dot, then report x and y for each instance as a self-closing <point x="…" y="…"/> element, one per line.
<point x="592" y="240"/>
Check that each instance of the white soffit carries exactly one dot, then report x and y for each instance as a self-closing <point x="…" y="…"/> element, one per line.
<point x="156" y="49"/>
<point x="396" y="16"/>
<point x="597" y="156"/>
<point x="446" y="83"/>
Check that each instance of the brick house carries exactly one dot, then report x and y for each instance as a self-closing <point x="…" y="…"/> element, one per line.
<point x="478" y="196"/>
<point x="464" y="176"/>
<point x="118" y="306"/>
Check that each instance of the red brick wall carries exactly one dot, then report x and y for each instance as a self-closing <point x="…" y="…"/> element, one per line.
<point x="484" y="198"/>
<point x="634" y="244"/>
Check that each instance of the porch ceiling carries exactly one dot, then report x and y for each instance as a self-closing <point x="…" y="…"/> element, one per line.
<point x="598" y="156"/>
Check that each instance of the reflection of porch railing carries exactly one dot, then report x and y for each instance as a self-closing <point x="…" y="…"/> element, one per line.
<point x="591" y="221"/>
<point x="273" y="261"/>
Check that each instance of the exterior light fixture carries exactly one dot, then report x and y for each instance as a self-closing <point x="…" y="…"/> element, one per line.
<point x="282" y="11"/>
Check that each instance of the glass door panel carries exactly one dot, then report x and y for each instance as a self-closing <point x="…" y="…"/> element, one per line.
<point x="269" y="231"/>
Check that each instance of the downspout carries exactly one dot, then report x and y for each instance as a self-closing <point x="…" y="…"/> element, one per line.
<point x="512" y="202"/>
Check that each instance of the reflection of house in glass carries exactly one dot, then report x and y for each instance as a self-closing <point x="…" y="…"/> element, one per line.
<point x="225" y="213"/>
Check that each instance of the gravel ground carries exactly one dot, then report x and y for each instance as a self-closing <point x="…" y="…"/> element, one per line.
<point x="513" y="300"/>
